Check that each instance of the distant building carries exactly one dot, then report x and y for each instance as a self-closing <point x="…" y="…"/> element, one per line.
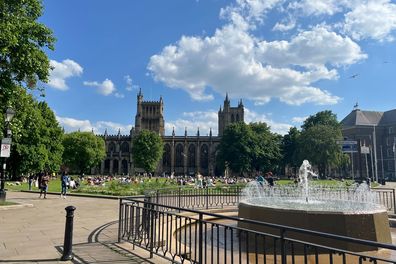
<point x="183" y="155"/>
<point x="375" y="133"/>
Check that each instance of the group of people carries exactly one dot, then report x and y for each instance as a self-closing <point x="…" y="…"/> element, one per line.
<point x="267" y="179"/>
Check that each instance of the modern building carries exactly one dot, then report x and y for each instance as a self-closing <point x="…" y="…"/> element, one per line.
<point x="375" y="135"/>
<point x="183" y="155"/>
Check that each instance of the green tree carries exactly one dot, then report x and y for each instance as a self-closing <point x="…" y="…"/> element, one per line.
<point x="82" y="151"/>
<point x="327" y="118"/>
<point x="236" y="148"/>
<point x="37" y="136"/>
<point x="290" y="151"/>
<point x="318" y="144"/>
<point x="147" y="150"/>
<point x="23" y="40"/>
<point x="267" y="152"/>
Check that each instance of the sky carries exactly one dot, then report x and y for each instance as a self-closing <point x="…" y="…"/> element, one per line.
<point x="286" y="60"/>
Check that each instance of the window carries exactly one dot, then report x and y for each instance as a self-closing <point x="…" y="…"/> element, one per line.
<point x="390" y="152"/>
<point x="390" y="130"/>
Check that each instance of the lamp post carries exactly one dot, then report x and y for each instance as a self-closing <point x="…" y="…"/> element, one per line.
<point x="5" y="149"/>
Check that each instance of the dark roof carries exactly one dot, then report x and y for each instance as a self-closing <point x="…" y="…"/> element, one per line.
<point x="359" y="118"/>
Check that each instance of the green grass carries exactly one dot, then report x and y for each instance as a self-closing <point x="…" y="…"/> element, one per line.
<point x="115" y="188"/>
<point x="7" y="203"/>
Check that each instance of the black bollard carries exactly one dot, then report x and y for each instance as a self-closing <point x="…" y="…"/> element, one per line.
<point x="68" y="241"/>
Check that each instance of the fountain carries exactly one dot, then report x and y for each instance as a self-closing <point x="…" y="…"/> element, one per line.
<point x="353" y="212"/>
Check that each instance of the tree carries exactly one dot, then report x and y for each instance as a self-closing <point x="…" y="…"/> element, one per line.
<point x="82" y="151"/>
<point x="147" y="150"/>
<point x="290" y="151"/>
<point x="36" y="135"/>
<point x="326" y="118"/>
<point x="267" y="152"/>
<point x="23" y="61"/>
<point x="319" y="145"/>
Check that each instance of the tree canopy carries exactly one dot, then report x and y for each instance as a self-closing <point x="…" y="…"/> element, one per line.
<point x="147" y="150"/>
<point x="248" y="148"/>
<point x="23" y="40"/>
<point x="290" y="150"/>
<point x="82" y="151"/>
<point x="326" y="118"/>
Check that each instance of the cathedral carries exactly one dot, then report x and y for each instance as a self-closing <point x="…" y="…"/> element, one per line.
<point x="183" y="155"/>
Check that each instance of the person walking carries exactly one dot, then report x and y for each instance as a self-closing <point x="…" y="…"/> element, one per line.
<point x="44" y="185"/>
<point x="64" y="181"/>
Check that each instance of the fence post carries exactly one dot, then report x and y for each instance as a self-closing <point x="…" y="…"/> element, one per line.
<point x="200" y="239"/>
<point x="151" y="236"/>
<point x="207" y="197"/>
<point x="394" y="201"/>
<point x="68" y="240"/>
<point x="179" y="199"/>
<point x="120" y="222"/>
<point x="283" y="246"/>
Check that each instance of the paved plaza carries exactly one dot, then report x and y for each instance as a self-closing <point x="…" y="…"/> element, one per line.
<point x="34" y="233"/>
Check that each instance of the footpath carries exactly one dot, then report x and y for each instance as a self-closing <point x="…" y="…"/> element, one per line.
<point x="34" y="231"/>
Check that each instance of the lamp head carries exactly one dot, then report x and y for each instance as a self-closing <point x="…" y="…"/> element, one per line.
<point x="9" y="114"/>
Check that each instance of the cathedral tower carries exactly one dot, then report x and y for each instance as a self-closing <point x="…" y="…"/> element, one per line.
<point x="229" y="115"/>
<point x="149" y="115"/>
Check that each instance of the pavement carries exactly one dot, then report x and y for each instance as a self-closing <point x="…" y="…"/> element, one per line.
<point x="33" y="232"/>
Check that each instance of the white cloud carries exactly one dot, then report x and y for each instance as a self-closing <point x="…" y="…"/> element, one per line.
<point x="62" y="71"/>
<point x="299" y="119"/>
<point x="129" y="83"/>
<point x="374" y="19"/>
<point x="276" y="127"/>
<point x="72" y="124"/>
<point x="285" y="26"/>
<point x="204" y="120"/>
<point x="106" y="87"/>
<point x="317" y="7"/>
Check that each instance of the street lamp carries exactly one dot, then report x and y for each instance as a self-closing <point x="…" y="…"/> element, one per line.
<point x="5" y="149"/>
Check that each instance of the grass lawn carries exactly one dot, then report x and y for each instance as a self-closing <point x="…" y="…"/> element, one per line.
<point x="7" y="203"/>
<point x="116" y="188"/>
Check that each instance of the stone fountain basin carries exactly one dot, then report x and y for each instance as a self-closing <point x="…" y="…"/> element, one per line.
<point x="368" y="224"/>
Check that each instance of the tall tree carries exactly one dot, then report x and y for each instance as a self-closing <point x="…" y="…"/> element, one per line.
<point x="82" y="151"/>
<point x="319" y="145"/>
<point x="147" y="150"/>
<point x="23" y="40"/>
<point x="267" y="153"/>
<point x="326" y="118"/>
<point x="290" y="148"/>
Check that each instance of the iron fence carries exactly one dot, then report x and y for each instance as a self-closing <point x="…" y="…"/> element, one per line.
<point x="206" y="198"/>
<point x="183" y="235"/>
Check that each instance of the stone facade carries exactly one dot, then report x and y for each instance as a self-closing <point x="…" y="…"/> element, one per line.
<point x="183" y="155"/>
<point x="374" y="132"/>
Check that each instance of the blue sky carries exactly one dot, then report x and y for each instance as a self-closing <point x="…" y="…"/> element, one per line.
<point x="286" y="60"/>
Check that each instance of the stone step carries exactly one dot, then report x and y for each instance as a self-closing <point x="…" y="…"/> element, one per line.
<point x="392" y="222"/>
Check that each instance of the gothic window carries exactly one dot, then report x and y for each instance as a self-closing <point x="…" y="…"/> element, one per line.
<point x="232" y="118"/>
<point x="107" y="166"/>
<point x="166" y="158"/>
<point x="179" y="155"/>
<point x="204" y="156"/>
<point x="237" y="117"/>
<point x="124" y="166"/>
<point x="125" y="147"/>
<point x="111" y="147"/>
<point x="191" y="156"/>
<point x="115" y="166"/>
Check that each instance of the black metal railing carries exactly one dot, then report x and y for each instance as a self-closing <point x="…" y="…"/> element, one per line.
<point x="183" y="235"/>
<point x="206" y="198"/>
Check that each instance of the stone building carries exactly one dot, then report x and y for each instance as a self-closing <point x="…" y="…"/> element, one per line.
<point x="183" y="155"/>
<point x="375" y="133"/>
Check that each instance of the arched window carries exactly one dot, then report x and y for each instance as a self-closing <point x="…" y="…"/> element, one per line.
<point x="125" y="147"/>
<point x="204" y="157"/>
<point x="124" y="166"/>
<point x="179" y="155"/>
<point x="115" y="166"/>
<point x="191" y="156"/>
<point x="166" y="157"/>
<point x="232" y="118"/>
<point x="111" y="147"/>
<point x="107" y="166"/>
<point x="237" y="117"/>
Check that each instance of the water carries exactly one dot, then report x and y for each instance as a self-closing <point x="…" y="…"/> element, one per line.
<point x="357" y="198"/>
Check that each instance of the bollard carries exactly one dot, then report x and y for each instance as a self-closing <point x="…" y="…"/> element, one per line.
<point x="68" y="241"/>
